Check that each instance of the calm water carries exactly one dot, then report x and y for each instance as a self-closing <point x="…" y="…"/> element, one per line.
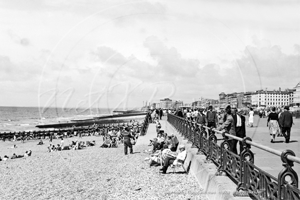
<point x="26" y="118"/>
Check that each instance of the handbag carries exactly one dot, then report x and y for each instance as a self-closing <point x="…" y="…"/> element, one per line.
<point x="132" y="141"/>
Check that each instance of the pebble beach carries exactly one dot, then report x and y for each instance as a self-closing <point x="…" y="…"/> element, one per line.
<point x="91" y="173"/>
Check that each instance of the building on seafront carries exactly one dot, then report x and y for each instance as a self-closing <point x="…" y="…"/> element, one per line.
<point x="296" y="95"/>
<point x="204" y="102"/>
<point x="262" y="98"/>
<point x="275" y="98"/>
<point x="166" y="103"/>
<point x="177" y="104"/>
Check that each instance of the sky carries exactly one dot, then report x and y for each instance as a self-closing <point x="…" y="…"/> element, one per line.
<point x="123" y="54"/>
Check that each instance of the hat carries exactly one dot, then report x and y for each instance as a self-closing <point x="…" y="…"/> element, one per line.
<point x="181" y="146"/>
<point x="286" y="107"/>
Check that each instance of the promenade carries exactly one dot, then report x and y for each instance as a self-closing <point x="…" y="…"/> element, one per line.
<point x="265" y="160"/>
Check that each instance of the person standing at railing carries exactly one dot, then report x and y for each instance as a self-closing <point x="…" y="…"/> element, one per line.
<point x="179" y="113"/>
<point x="229" y="126"/>
<point x="286" y="122"/>
<point x="201" y="118"/>
<point x="273" y="125"/>
<point x="240" y="128"/>
<point x="211" y="118"/>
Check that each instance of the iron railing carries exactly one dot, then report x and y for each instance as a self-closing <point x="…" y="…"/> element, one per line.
<point x="146" y="124"/>
<point x="250" y="179"/>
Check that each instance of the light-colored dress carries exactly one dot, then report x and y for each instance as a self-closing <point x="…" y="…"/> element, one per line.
<point x="251" y="117"/>
<point x="274" y="127"/>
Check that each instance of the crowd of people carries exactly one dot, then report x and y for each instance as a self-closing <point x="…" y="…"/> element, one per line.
<point x="164" y="150"/>
<point x="75" y="145"/>
<point x="15" y="156"/>
<point x="234" y="121"/>
<point x="93" y="130"/>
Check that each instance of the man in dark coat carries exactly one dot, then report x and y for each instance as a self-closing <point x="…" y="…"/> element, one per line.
<point x="127" y="135"/>
<point x="286" y="122"/>
<point x="160" y="113"/>
<point x="179" y="113"/>
<point x="240" y="126"/>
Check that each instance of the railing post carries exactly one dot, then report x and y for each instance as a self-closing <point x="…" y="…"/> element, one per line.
<point x="201" y="135"/>
<point x="245" y="156"/>
<point x="224" y="146"/>
<point x="211" y="139"/>
<point x="287" y="176"/>
<point x="195" y="130"/>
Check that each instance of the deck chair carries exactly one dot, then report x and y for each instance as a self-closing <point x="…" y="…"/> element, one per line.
<point x="178" y="165"/>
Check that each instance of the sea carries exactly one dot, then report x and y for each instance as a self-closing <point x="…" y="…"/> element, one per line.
<point x="26" y="118"/>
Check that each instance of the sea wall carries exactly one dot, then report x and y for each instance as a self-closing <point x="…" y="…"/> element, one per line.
<point x="215" y="187"/>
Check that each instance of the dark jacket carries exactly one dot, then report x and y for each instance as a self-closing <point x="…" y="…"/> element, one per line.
<point x="201" y="119"/>
<point x="240" y="130"/>
<point x="211" y="117"/>
<point x="127" y="136"/>
<point x="286" y="119"/>
<point x="228" y="125"/>
<point x="179" y="113"/>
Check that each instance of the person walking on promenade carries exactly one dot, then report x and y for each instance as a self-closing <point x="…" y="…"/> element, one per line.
<point x="229" y="126"/>
<point x="273" y="124"/>
<point x="160" y="113"/>
<point x="286" y="122"/>
<point x="179" y="113"/>
<point x="127" y="136"/>
<point x="251" y="117"/>
<point x="240" y="128"/>
<point x="189" y="115"/>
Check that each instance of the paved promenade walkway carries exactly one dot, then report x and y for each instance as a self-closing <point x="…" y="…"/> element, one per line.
<point x="265" y="160"/>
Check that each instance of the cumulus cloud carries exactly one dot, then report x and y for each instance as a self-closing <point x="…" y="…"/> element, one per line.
<point x="267" y="64"/>
<point x="19" y="40"/>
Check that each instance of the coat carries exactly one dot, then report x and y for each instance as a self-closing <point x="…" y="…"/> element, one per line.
<point x="228" y="125"/>
<point x="240" y="130"/>
<point x="286" y="119"/>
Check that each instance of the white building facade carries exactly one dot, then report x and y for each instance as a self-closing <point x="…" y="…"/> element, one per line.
<point x="296" y="94"/>
<point x="276" y="98"/>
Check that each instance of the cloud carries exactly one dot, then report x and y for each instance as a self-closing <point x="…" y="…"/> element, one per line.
<point x="268" y="63"/>
<point x="121" y="11"/>
<point x="17" y="72"/>
<point x="19" y="40"/>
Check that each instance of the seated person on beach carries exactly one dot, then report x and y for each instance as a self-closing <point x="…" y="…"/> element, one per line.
<point x="155" y="144"/>
<point x="27" y="153"/>
<point x="174" y="143"/>
<point x="66" y="147"/>
<point x="51" y="148"/>
<point x="169" y="160"/>
<point x="107" y="143"/>
<point x="13" y="147"/>
<point x="90" y="143"/>
<point x="156" y="157"/>
<point x="40" y="142"/>
<point x="14" y="156"/>
<point x="158" y="126"/>
<point x="58" y="148"/>
<point x="5" y="158"/>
